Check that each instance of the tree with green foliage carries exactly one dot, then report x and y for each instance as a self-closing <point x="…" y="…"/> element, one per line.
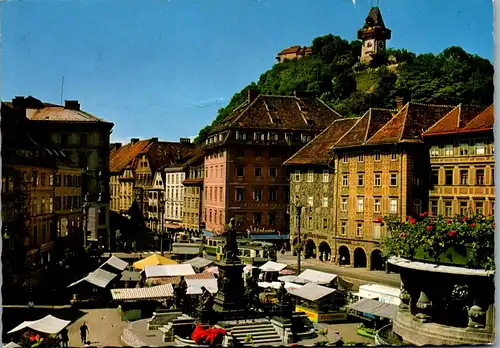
<point x="333" y="73"/>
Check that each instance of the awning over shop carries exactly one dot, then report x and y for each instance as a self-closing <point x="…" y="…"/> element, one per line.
<point x="271" y="266"/>
<point x="99" y="277"/>
<point x="317" y="277"/>
<point x="173" y="226"/>
<point x="137" y="294"/>
<point x="379" y="309"/>
<point x="312" y="292"/>
<point x="168" y="270"/>
<point x="48" y="324"/>
<point x="195" y="285"/>
<point x="130" y="276"/>
<point x="115" y="263"/>
<point x="153" y="260"/>
<point x="198" y="262"/>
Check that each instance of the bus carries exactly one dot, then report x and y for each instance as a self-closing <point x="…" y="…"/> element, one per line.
<point x="249" y="251"/>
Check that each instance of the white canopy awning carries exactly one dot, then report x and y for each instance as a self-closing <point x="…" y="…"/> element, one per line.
<point x="198" y="262"/>
<point x="195" y="285"/>
<point x="277" y="285"/>
<point x="384" y="310"/>
<point x="312" y="292"/>
<point x="10" y="345"/>
<point x="116" y="263"/>
<point x="48" y="324"/>
<point x="317" y="277"/>
<point x="293" y="279"/>
<point x="169" y="270"/>
<point x="271" y="266"/>
<point x="99" y="277"/>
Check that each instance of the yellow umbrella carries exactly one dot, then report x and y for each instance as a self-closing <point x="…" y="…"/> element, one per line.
<point x="153" y="260"/>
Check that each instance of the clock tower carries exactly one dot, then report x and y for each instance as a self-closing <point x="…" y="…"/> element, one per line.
<point x="373" y="34"/>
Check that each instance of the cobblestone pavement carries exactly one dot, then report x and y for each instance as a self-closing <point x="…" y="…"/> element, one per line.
<point x="356" y="275"/>
<point x="105" y="328"/>
<point x="347" y="332"/>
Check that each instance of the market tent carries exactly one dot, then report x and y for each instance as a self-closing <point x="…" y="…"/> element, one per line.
<point x="317" y="277"/>
<point x="168" y="270"/>
<point x="115" y="264"/>
<point x="99" y="277"/>
<point x="198" y="262"/>
<point x="312" y="292"/>
<point x="10" y="345"/>
<point x="380" y="309"/>
<point x="292" y="279"/>
<point x="130" y="276"/>
<point x="177" y="280"/>
<point x="271" y="266"/>
<point x="153" y="260"/>
<point x="48" y="324"/>
<point x="248" y="268"/>
<point x="194" y="286"/>
<point x="277" y="285"/>
<point x="137" y="294"/>
<point x="212" y="270"/>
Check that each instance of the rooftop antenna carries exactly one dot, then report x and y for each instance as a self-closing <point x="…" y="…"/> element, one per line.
<point x="62" y="89"/>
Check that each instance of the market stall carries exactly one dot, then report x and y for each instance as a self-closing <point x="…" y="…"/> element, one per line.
<point x="114" y="265"/>
<point x="319" y="303"/>
<point x="91" y="287"/>
<point x="153" y="260"/>
<point x="199" y="263"/>
<point x="374" y="315"/>
<point x="39" y="331"/>
<point x="136" y="303"/>
<point x="270" y="271"/>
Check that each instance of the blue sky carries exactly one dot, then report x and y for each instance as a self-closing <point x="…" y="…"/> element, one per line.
<point x="164" y="67"/>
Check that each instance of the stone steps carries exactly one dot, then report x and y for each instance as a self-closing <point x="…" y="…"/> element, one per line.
<point x="263" y="333"/>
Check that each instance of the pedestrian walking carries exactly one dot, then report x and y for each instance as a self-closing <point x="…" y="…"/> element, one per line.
<point x="64" y="337"/>
<point x="84" y="330"/>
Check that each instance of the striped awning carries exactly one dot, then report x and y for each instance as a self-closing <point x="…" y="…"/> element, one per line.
<point x="136" y="294"/>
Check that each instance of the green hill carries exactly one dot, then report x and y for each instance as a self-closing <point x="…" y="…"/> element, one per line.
<point x="333" y="73"/>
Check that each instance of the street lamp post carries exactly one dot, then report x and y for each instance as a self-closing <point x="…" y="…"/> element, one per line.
<point x="299" y="250"/>
<point x="85" y="209"/>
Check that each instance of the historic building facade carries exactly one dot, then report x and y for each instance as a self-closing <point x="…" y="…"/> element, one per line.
<point x="194" y="169"/>
<point x="156" y="203"/>
<point x="312" y="197"/>
<point x="174" y="194"/>
<point x="461" y="151"/>
<point x="84" y="139"/>
<point x="293" y="52"/>
<point x="382" y="170"/>
<point x="244" y="173"/>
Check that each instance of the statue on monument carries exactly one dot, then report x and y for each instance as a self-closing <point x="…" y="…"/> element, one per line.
<point x="180" y="293"/>
<point x="231" y="242"/>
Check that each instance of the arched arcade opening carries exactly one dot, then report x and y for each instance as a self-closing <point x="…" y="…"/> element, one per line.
<point x="344" y="256"/>
<point x="325" y="251"/>
<point x="310" y="249"/>
<point x="359" y="258"/>
<point x="377" y="261"/>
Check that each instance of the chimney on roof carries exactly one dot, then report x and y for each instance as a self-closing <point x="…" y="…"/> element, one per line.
<point x="17" y="102"/>
<point x="72" y="105"/>
<point x="185" y="141"/>
<point x="303" y="94"/>
<point x="400" y="103"/>
<point x="252" y="94"/>
<point x="134" y="140"/>
<point x="116" y="146"/>
<point x="154" y="140"/>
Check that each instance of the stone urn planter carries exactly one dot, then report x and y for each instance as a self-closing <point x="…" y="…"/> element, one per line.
<point x="454" y="255"/>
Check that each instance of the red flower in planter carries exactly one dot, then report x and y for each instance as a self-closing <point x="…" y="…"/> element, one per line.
<point x="32" y="338"/>
<point x="422" y="214"/>
<point x="472" y="225"/>
<point x="429" y="228"/>
<point x="452" y="233"/>
<point x="402" y="235"/>
<point x="407" y="218"/>
<point x="464" y="219"/>
<point x="449" y="222"/>
<point x="426" y="213"/>
<point x="380" y="219"/>
<point x="412" y="221"/>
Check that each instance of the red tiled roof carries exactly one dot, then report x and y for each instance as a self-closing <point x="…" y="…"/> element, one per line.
<point x="410" y="123"/>
<point x="291" y="49"/>
<point x="370" y="123"/>
<point x="60" y="113"/>
<point x="318" y="151"/>
<point x="122" y="157"/>
<point x="455" y="119"/>
<point x="282" y="112"/>
<point x="485" y="120"/>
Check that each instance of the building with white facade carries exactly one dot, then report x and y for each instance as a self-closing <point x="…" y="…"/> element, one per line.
<point x="174" y="194"/>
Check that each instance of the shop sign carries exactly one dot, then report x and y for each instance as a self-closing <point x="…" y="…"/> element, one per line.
<point x="336" y="316"/>
<point x="260" y="230"/>
<point x="47" y="246"/>
<point x="313" y="316"/>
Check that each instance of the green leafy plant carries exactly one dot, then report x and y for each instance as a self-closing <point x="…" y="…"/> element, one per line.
<point x="435" y="235"/>
<point x="249" y="339"/>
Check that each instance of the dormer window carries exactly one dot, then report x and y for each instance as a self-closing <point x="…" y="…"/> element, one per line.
<point x="220" y="137"/>
<point x="238" y="135"/>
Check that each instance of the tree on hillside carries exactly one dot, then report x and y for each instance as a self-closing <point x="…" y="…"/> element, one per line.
<point x="333" y="72"/>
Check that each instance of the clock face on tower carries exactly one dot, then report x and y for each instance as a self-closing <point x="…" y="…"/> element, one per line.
<point x="369" y="45"/>
<point x="381" y="45"/>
